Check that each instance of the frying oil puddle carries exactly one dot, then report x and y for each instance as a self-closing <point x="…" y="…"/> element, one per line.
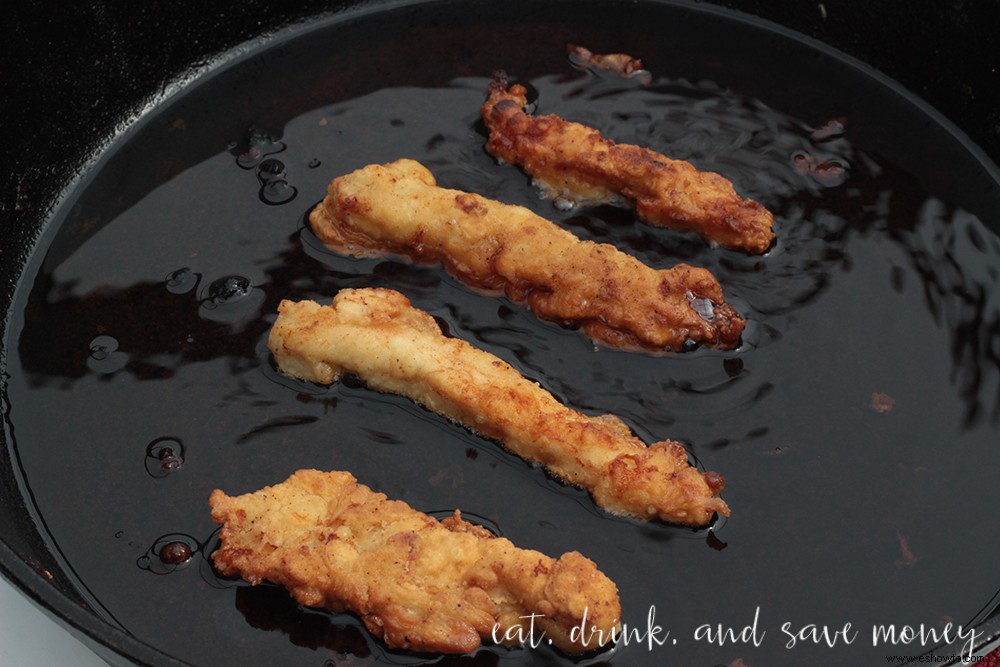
<point x="864" y="392"/>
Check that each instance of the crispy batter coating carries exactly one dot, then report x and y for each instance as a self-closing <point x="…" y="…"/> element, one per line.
<point x="613" y="297"/>
<point x="377" y="335"/>
<point x="418" y="583"/>
<point x="574" y="162"/>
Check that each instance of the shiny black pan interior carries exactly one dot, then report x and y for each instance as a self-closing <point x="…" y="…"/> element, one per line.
<point x="856" y="425"/>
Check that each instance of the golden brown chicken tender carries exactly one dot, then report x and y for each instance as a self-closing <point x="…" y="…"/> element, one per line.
<point x="574" y="162"/>
<point x="613" y="297"/>
<point x="377" y="335"/>
<point x="620" y="64"/>
<point x="418" y="583"/>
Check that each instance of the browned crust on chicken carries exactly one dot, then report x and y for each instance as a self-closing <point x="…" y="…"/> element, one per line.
<point x="613" y="297"/>
<point x="377" y="335"/>
<point x="575" y="162"/>
<point x="418" y="583"/>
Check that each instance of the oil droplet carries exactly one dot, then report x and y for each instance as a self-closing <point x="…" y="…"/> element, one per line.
<point x="277" y="192"/>
<point x="255" y="148"/>
<point x="104" y="356"/>
<point x="182" y="281"/>
<point x="250" y="157"/>
<point x="102" y="347"/>
<point x="231" y="300"/>
<point x="274" y="186"/>
<point x="169" y="553"/>
<point x="270" y="170"/>
<point x="164" y="456"/>
<point x="226" y="290"/>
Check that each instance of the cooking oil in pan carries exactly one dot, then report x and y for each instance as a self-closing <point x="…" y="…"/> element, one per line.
<point x="856" y="425"/>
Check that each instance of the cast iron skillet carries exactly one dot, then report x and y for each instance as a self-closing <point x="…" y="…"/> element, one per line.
<point x="78" y="74"/>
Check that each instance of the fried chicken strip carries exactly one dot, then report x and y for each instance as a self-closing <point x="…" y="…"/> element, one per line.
<point x="418" y="583"/>
<point x="621" y="64"/>
<point x="377" y="335"/>
<point x="574" y="162"/>
<point x="613" y="297"/>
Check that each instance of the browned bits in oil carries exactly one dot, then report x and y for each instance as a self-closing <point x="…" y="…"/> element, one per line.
<point x="830" y="172"/>
<point x="175" y="553"/>
<point x="164" y="456"/>
<point x="882" y="403"/>
<point x="620" y="64"/>
<point x="907" y="557"/>
<point x="831" y="129"/>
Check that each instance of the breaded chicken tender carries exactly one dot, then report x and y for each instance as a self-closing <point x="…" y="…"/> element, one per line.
<point x="377" y="335"/>
<point x="418" y="583"/>
<point x="613" y="297"/>
<point x="620" y="64"/>
<point x="574" y="162"/>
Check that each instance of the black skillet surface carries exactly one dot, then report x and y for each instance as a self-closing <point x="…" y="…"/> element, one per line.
<point x="857" y="424"/>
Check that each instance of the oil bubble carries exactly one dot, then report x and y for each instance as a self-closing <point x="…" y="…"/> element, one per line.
<point x="231" y="300"/>
<point x="102" y="347"/>
<point x="182" y="281"/>
<point x="257" y="146"/>
<point x="225" y="290"/>
<point x="169" y="553"/>
<point x="277" y="192"/>
<point x="164" y="456"/>
<point x="274" y="186"/>
<point x="270" y="169"/>
<point x="104" y="356"/>
<point x="250" y="157"/>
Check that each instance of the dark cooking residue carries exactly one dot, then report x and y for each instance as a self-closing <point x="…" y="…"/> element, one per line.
<point x="175" y="553"/>
<point x="169" y="553"/>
